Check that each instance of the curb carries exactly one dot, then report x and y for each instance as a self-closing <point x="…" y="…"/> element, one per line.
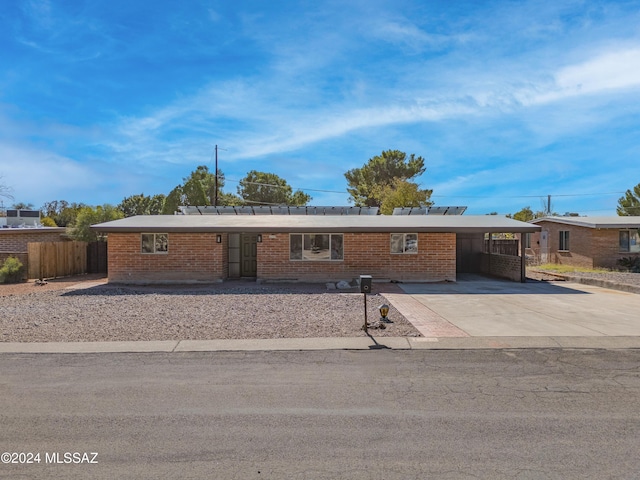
<point x="605" y="284"/>
<point x="327" y="344"/>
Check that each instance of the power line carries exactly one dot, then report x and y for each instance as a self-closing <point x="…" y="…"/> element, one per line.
<point x="284" y="186"/>
<point x="441" y="196"/>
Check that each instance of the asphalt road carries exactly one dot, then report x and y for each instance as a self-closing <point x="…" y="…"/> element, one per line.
<point x="494" y="414"/>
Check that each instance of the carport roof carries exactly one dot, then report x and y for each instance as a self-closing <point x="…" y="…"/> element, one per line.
<point x="317" y="224"/>
<point x="594" y="222"/>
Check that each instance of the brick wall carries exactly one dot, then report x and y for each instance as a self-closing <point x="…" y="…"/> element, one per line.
<point x="503" y="266"/>
<point x="364" y="253"/>
<point x="196" y="257"/>
<point x="191" y="257"/>
<point x="16" y="239"/>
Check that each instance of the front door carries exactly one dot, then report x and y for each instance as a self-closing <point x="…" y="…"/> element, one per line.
<point x="249" y="255"/>
<point x="544" y="246"/>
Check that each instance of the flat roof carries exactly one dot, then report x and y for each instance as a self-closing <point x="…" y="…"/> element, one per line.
<point x="594" y="222"/>
<point x="317" y="224"/>
<point x="7" y="230"/>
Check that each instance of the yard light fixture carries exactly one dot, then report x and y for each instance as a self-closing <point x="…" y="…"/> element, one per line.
<point x="384" y="311"/>
<point x="218" y="238"/>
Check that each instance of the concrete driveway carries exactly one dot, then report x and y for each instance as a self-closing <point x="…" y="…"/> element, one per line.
<point x="476" y="306"/>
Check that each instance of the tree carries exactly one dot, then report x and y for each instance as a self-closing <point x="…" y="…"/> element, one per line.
<point x="225" y="198"/>
<point x="22" y="206"/>
<point x="199" y="189"/>
<point x="5" y="191"/>
<point x="526" y="214"/>
<point x="400" y="193"/>
<point x="142" y="205"/>
<point x="48" y="222"/>
<point x="260" y="188"/>
<point x="173" y="201"/>
<point x="63" y="213"/>
<point x="90" y="216"/>
<point x="380" y="171"/>
<point x="629" y="205"/>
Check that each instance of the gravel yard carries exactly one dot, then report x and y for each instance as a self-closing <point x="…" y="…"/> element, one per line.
<point x="61" y="312"/>
<point x="85" y="309"/>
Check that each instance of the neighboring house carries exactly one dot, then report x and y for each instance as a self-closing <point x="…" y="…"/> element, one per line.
<point x="585" y="241"/>
<point x="210" y="248"/>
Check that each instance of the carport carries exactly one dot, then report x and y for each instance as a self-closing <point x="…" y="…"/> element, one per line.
<point x="477" y="252"/>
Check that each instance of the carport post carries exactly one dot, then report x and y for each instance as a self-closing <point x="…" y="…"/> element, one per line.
<point x="523" y="263"/>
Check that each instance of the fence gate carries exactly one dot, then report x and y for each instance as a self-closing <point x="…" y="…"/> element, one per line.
<point x="97" y="257"/>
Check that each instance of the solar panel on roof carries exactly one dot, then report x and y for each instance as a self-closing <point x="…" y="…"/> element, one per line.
<point x="226" y="210"/>
<point x="446" y="210"/>
<point x="262" y="210"/>
<point x="244" y="210"/>
<point x="297" y="210"/>
<point x="400" y="211"/>
<point x="279" y="210"/>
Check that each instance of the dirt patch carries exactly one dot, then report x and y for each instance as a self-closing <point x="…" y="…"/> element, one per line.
<point x="31" y="286"/>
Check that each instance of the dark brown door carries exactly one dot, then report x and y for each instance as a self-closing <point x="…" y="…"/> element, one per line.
<point x="249" y="255"/>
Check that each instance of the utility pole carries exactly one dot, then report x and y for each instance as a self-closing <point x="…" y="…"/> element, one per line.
<point x="548" y="205"/>
<point x="215" y="197"/>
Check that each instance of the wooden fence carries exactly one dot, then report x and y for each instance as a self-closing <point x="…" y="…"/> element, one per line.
<point x="503" y="247"/>
<point x="57" y="259"/>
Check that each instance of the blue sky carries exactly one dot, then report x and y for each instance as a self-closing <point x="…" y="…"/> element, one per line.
<point x="507" y="101"/>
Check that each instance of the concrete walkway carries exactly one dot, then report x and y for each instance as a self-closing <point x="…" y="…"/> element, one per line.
<point x="473" y="313"/>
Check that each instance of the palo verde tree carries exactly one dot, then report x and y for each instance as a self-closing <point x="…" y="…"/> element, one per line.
<point x="260" y="188"/>
<point x="370" y="184"/>
<point x="629" y="205"/>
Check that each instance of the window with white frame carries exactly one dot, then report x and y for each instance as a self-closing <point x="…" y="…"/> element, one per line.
<point x="404" y="243"/>
<point x="564" y="240"/>
<point x="630" y="240"/>
<point x="316" y="246"/>
<point x="155" y="243"/>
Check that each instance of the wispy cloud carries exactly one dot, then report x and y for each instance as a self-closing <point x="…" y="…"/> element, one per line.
<point x="485" y="90"/>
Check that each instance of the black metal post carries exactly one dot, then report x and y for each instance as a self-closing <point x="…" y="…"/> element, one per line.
<point x="364" y="327"/>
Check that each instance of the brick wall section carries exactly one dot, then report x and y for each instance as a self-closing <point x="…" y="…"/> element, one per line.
<point x="192" y="257"/>
<point x="588" y="247"/>
<point x="13" y="242"/>
<point x="16" y="239"/>
<point x="502" y="266"/>
<point x="364" y="253"/>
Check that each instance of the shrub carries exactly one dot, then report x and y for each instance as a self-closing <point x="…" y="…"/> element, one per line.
<point x="48" y="222"/>
<point x="12" y="271"/>
<point x="630" y="263"/>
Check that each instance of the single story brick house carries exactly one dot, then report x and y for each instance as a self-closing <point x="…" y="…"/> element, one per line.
<point x="589" y="242"/>
<point x="212" y="248"/>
